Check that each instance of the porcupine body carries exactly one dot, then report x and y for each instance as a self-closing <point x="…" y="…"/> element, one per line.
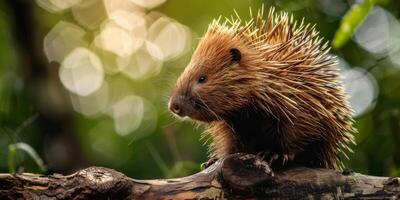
<point x="267" y="87"/>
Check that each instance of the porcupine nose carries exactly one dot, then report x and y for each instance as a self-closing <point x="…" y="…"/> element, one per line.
<point x="175" y="105"/>
<point x="175" y="108"/>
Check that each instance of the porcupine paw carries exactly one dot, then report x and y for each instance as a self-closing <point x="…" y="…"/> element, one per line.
<point x="205" y="165"/>
<point x="280" y="159"/>
<point x="262" y="155"/>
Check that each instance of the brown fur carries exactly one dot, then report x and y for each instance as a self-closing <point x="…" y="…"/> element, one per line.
<point x="282" y="98"/>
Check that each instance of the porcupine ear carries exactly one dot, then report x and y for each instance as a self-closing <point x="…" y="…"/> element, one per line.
<point x="236" y="56"/>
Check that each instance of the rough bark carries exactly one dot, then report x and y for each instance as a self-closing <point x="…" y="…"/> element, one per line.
<point x="237" y="176"/>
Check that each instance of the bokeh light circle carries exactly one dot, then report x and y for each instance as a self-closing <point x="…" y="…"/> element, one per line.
<point x="81" y="72"/>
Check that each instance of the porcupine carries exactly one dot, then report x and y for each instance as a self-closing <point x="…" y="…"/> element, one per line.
<point x="267" y="87"/>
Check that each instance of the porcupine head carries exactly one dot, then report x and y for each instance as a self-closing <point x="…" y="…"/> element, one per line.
<point x="267" y="86"/>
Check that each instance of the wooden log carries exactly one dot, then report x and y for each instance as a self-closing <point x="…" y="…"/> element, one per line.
<point x="237" y="176"/>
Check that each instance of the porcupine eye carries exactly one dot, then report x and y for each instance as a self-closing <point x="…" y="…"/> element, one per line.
<point x="202" y="79"/>
<point x="236" y="56"/>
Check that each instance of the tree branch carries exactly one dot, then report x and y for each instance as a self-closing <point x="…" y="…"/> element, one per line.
<point x="236" y="176"/>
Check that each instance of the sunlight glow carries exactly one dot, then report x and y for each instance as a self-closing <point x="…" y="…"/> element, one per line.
<point x="125" y="5"/>
<point x="61" y="40"/>
<point x="380" y="33"/>
<point x="89" y="13"/>
<point x="57" y="5"/>
<point x="109" y="40"/>
<point x="115" y="40"/>
<point x="149" y="4"/>
<point x="146" y="62"/>
<point x="171" y="37"/>
<point x="362" y="90"/>
<point x="128" y="114"/>
<point x="122" y="34"/>
<point x="93" y="104"/>
<point x="131" y="21"/>
<point x="81" y="72"/>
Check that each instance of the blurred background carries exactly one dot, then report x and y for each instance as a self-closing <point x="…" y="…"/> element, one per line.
<point x="86" y="82"/>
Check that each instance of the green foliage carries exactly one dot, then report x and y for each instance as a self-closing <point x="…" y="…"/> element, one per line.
<point x="26" y="148"/>
<point x="351" y="21"/>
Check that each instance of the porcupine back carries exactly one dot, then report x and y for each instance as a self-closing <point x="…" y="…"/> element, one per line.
<point x="297" y="100"/>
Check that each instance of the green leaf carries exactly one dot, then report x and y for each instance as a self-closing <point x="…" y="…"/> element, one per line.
<point x="351" y="21"/>
<point x="12" y="154"/>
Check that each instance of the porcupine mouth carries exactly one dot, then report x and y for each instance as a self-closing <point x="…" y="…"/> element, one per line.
<point x="189" y="107"/>
<point x="201" y="111"/>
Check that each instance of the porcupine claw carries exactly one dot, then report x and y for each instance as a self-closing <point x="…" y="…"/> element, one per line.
<point x="273" y="158"/>
<point x="207" y="164"/>
<point x="283" y="157"/>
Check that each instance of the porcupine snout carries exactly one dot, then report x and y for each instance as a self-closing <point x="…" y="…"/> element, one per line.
<point x="180" y="106"/>
<point x="183" y="105"/>
<point x="177" y="105"/>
